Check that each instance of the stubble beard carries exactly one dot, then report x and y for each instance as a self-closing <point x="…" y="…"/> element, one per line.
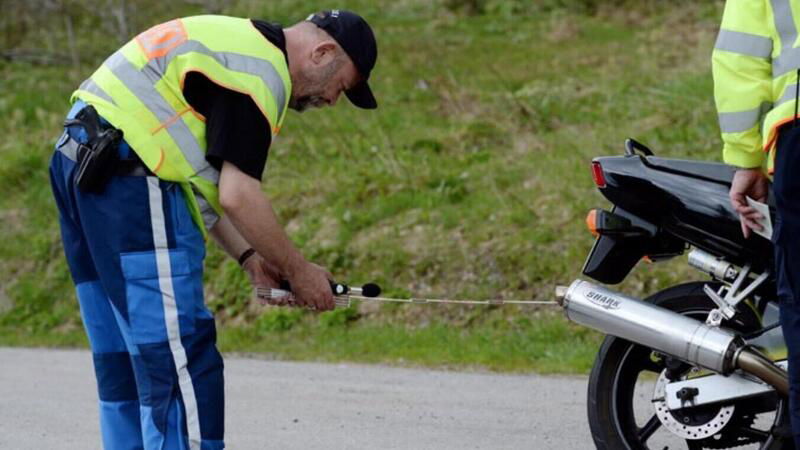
<point x="316" y="84"/>
<point x="306" y="102"/>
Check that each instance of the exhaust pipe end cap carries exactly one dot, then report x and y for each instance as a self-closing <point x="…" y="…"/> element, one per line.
<point x="561" y="294"/>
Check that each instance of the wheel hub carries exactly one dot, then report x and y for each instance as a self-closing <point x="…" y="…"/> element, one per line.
<point x="692" y="423"/>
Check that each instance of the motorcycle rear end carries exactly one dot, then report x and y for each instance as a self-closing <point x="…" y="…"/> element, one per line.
<point x="697" y="365"/>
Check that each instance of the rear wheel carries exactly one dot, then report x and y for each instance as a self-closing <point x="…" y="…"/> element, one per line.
<point x="622" y="414"/>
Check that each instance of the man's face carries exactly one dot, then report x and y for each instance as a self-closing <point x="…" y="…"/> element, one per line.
<point x="326" y="76"/>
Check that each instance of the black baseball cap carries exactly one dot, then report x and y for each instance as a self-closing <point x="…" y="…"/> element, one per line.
<point x="355" y="37"/>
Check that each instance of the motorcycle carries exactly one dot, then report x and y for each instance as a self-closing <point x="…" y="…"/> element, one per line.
<point x="700" y="365"/>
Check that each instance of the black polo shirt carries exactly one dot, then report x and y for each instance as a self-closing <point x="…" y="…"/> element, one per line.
<point x="236" y="130"/>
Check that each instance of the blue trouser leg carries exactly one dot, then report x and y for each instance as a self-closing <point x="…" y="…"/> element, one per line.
<point x="145" y="256"/>
<point x="119" y="401"/>
<point x="786" y="236"/>
<point x="118" y="397"/>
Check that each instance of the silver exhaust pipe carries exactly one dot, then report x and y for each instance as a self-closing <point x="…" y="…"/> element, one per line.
<point x="666" y="331"/>
<point x="754" y="362"/>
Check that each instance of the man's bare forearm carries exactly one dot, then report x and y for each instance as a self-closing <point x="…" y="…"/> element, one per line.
<point x="228" y="237"/>
<point x="251" y="213"/>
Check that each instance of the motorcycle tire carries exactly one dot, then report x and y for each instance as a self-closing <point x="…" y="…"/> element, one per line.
<point x="606" y="382"/>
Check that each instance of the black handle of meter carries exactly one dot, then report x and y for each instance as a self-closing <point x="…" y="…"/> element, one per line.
<point x="336" y="288"/>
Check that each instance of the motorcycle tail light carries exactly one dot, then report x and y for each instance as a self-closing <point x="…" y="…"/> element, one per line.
<point x="591" y="222"/>
<point x="597" y="174"/>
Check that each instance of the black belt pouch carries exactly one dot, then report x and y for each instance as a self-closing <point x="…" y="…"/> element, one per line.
<point x="99" y="157"/>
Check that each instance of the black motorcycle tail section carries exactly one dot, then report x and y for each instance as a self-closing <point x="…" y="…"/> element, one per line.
<point x="682" y="202"/>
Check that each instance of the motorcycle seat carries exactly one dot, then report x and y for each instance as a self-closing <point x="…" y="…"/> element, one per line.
<point x="713" y="171"/>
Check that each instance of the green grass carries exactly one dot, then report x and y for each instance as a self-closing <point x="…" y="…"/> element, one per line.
<point x="507" y="344"/>
<point x="471" y="180"/>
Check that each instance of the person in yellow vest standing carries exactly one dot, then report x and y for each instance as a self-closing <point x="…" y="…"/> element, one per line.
<point x="164" y="145"/>
<point x="756" y="64"/>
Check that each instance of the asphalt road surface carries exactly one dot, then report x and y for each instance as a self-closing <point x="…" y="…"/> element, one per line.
<point x="48" y="401"/>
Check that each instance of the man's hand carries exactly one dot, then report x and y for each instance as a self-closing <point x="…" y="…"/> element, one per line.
<point x="262" y="274"/>
<point x="748" y="183"/>
<point x="311" y="287"/>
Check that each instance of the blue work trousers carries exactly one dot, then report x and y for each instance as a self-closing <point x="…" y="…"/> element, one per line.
<point x="136" y="258"/>
<point x="786" y="236"/>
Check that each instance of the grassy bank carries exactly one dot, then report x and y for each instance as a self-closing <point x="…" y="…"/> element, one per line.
<point x="520" y="343"/>
<point x="470" y="181"/>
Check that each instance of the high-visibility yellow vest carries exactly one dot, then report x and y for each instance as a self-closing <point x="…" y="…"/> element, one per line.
<point x="139" y="89"/>
<point x="755" y="64"/>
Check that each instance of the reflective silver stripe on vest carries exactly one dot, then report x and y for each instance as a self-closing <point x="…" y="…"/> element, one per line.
<point x="210" y="217"/>
<point x="784" y="22"/>
<point x="744" y="43"/>
<point x="789" y="59"/>
<point x="788" y="95"/>
<point x="232" y="61"/>
<point x="141" y="84"/>
<point x="91" y="87"/>
<point x="737" y="122"/>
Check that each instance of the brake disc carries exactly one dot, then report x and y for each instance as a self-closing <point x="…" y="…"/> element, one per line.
<point x="694" y="423"/>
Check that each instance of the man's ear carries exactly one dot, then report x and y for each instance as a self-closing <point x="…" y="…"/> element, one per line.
<point x="323" y="53"/>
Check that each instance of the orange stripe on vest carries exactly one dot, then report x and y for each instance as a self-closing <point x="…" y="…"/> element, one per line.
<point x="160" y="39"/>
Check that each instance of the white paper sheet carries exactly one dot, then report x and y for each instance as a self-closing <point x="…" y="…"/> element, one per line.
<point x="765" y="221"/>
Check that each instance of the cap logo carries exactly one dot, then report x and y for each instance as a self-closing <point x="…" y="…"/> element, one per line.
<point x="335" y="13"/>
